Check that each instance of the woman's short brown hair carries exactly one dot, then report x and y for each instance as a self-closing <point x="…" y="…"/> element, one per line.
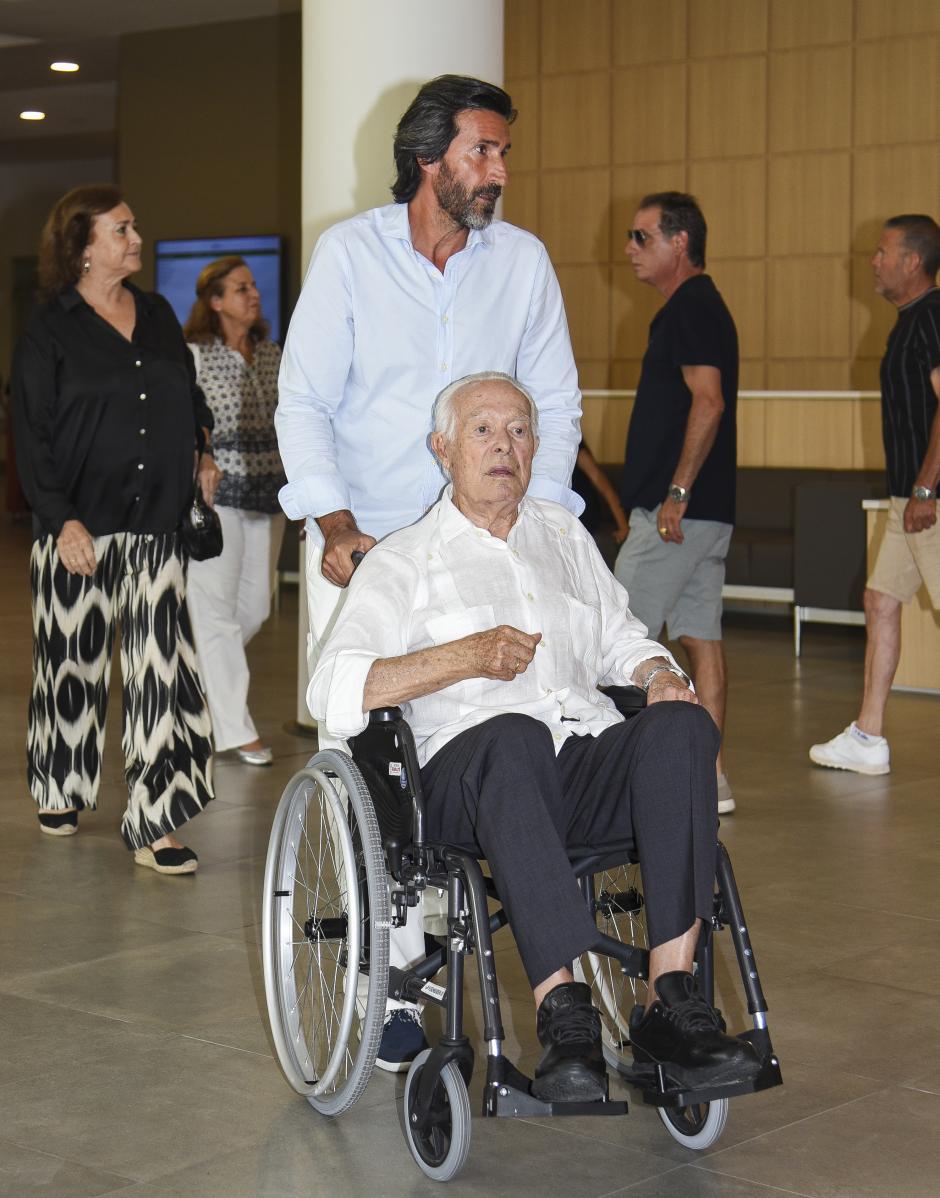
<point x="68" y="230"/>
<point x="203" y="323"/>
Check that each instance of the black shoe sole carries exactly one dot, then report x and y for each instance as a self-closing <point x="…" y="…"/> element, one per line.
<point x="573" y="1086"/>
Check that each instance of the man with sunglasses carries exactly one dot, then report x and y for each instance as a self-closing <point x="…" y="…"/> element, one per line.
<point x="681" y="456"/>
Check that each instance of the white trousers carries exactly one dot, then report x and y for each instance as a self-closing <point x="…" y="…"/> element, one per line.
<point x="324" y="601"/>
<point x="229" y="598"/>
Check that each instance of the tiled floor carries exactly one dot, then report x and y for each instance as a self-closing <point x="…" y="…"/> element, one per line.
<point x="134" y="1056"/>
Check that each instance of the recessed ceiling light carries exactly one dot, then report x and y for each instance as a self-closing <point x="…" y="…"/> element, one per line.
<point x="65" y="67"/>
<point x="32" y="114"/>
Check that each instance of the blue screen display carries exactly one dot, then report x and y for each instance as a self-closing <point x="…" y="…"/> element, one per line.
<point x="179" y="262"/>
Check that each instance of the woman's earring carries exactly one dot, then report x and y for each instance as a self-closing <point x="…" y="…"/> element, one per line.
<point x="86" y="267"/>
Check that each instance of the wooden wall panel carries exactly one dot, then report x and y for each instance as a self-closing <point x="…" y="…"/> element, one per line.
<point x="808" y="307"/>
<point x="889" y="18"/>
<point x="604" y="425"/>
<point x="742" y="283"/>
<point x="868" y="451"/>
<point x="575" y="37"/>
<point x="521" y="201"/>
<point x="810" y="203"/>
<point x="575" y="121"/>
<point x="890" y="180"/>
<point x="575" y="214"/>
<point x="809" y="22"/>
<point x="732" y="196"/>
<point x="872" y="315"/>
<point x="629" y="184"/>
<point x="524" y="152"/>
<point x="632" y="306"/>
<point x="521" y="37"/>
<point x="800" y="125"/>
<point x="718" y="27"/>
<point x="637" y="39"/>
<point x="593" y="373"/>
<point x="587" y="302"/>
<point x="810" y="99"/>
<point x="897" y="91"/>
<point x="649" y="113"/>
<point x="752" y="426"/>
<point x="809" y="432"/>
<point x="727" y="107"/>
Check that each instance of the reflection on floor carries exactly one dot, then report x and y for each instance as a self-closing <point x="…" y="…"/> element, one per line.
<point x="134" y="1057"/>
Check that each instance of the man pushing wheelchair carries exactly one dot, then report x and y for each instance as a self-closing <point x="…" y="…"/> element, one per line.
<point x="493" y="621"/>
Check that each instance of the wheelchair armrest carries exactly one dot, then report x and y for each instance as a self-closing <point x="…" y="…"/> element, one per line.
<point x="627" y="699"/>
<point x="384" y="715"/>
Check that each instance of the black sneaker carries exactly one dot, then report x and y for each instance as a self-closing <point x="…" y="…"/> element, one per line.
<point x="402" y="1039"/>
<point x="569" y="1029"/>
<point x="686" y="1035"/>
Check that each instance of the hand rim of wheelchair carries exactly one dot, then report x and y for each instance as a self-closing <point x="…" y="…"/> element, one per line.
<point x="440" y="1151"/>
<point x="323" y="774"/>
<point x="697" y="1126"/>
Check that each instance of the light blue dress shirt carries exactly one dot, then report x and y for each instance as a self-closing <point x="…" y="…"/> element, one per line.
<point x="378" y="331"/>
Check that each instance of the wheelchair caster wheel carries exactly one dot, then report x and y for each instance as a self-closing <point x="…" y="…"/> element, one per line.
<point x="696" y="1126"/>
<point x="441" y="1147"/>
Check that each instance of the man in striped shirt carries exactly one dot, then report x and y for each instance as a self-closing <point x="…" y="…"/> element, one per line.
<point x="905" y="264"/>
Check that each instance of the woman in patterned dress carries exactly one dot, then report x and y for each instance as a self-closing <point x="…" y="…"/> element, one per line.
<point x="108" y="422"/>
<point x="230" y="595"/>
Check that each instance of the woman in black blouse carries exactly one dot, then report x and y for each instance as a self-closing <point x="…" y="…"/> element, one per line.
<point x="108" y="422"/>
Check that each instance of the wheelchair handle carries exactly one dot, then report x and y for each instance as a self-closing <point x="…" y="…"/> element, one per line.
<point x="357" y="555"/>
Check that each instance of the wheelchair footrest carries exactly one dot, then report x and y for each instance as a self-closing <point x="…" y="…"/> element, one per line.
<point x="659" y="1090"/>
<point x="511" y="1103"/>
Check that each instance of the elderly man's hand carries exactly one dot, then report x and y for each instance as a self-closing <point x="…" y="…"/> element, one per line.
<point x="669" y="687"/>
<point x="502" y="652"/>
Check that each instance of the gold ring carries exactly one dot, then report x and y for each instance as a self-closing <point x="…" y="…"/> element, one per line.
<point x="663" y="531"/>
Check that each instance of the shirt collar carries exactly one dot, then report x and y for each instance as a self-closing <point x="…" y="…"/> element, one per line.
<point x="394" y="224"/>
<point x="453" y="523"/>
<point x="71" y="298"/>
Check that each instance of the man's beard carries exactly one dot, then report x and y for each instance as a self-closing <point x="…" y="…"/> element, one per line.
<point x="460" y="203"/>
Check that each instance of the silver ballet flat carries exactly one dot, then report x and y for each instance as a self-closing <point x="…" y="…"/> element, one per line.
<point x="255" y="756"/>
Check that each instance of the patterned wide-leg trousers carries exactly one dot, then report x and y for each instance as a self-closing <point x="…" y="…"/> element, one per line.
<point x="140" y="581"/>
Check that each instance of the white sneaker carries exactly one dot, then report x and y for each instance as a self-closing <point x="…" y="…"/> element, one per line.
<point x="848" y="751"/>
<point x="725" y="797"/>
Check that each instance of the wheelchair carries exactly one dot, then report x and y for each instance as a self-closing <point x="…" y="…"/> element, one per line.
<point x="348" y="859"/>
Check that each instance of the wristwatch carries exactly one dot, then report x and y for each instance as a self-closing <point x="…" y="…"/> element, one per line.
<point x="923" y="493"/>
<point x="664" y="669"/>
<point x="679" y="494"/>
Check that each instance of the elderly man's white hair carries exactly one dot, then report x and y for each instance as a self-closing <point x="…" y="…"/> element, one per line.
<point x="444" y="416"/>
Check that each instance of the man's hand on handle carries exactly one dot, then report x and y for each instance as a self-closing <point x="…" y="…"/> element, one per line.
<point x="341" y="539"/>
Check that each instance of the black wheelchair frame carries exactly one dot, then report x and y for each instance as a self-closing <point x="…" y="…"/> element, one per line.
<point x="436" y="1112"/>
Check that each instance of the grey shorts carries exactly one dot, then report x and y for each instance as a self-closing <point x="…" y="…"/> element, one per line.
<point x="676" y="585"/>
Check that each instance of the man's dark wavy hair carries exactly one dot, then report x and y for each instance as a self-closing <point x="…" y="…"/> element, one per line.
<point x="430" y="124"/>
<point x="921" y="236"/>
<point x="680" y="213"/>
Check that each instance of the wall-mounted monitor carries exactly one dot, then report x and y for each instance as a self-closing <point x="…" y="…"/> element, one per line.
<point x="179" y="262"/>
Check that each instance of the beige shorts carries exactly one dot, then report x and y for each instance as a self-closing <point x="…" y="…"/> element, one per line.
<point x="907" y="559"/>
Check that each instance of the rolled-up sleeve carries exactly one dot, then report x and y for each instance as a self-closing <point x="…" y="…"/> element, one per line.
<point x="373" y="624"/>
<point x="546" y="366"/>
<point x="314" y="367"/>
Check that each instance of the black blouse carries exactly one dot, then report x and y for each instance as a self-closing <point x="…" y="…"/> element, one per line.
<point x="105" y="428"/>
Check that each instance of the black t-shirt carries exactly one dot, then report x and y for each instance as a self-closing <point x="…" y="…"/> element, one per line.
<point x="693" y="328"/>
<point x="105" y="428"/>
<point x="908" y="401"/>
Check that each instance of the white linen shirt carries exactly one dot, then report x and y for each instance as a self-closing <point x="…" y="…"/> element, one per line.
<point x="443" y="579"/>
<point x="377" y="333"/>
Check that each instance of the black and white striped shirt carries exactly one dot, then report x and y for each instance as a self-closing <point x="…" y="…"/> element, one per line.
<point x="908" y="400"/>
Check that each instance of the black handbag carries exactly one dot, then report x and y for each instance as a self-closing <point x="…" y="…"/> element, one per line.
<point x="201" y="529"/>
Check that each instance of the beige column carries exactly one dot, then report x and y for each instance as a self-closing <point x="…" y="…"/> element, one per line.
<point x="363" y="62"/>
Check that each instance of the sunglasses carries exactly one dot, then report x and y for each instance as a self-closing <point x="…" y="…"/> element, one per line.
<point x="639" y="237"/>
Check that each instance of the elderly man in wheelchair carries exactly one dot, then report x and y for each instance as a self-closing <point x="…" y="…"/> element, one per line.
<point x="492" y="622"/>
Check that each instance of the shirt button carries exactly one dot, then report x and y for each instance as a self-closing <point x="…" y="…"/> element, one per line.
<point x="445" y="319"/>
<point x="443" y="366"/>
<point x="529" y="595"/>
<point x="138" y="362"/>
<point x="140" y="465"/>
<point x="143" y="395"/>
<point x="143" y="432"/>
<point x="137" y="499"/>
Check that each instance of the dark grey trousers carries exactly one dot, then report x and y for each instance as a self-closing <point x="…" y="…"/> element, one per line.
<point x="500" y="791"/>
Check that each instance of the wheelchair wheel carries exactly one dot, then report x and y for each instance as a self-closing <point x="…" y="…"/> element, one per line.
<point x="325" y="920"/>
<point x="620" y="914"/>
<point x="441" y="1149"/>
<point x="696" y="1126"/>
